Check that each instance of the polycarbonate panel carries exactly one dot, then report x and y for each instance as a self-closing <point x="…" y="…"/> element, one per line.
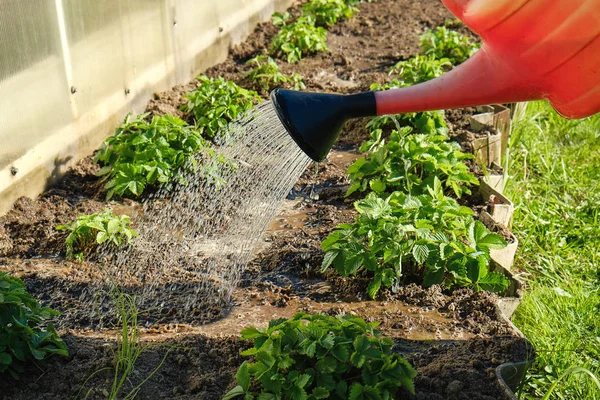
<point x="95" y="34"/>
<point x="111" y="53"/>
<point x="195" y="26"/>
<point x="34" y="96"/>
<point x="149" y="42"/>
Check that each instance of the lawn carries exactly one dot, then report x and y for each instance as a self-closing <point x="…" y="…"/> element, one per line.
<point x="554" y="181"/>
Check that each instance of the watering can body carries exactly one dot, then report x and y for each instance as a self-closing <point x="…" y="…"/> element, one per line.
<point x="532" y="49"/>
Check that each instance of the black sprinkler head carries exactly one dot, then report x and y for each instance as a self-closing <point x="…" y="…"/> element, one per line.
<point x="314" y="120"/>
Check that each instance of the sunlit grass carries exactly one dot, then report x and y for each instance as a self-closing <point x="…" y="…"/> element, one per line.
<point x="554" y="181"/>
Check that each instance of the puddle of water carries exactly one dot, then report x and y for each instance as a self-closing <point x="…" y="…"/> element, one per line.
<point x="342" y="158"/>
<point x="398" y="320"/>
<point x="290" y="222"/>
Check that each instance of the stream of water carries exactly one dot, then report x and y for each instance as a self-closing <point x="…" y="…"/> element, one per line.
<point x="197" y="235"/>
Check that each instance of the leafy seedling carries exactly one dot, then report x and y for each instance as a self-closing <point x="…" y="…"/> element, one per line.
<point x="143" y="153"/>
<point x="216" y="102"/>
<point x="298" y="39"/>
<point x="321" y="357"/>
<point x="24" y="333"/>
<point x="327" y="12"/>
<point x="267" y="75"/>
<point x="89" y="230"/>
<point x="420" y="69"/>
<point x="443" y="43"/>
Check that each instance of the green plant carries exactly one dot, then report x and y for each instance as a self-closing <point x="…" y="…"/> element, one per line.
<point x="321" y="357"/>
<point x="129" y="349"/>
<point x="410" y="162"/>
<point x="443" y="43"/>
<point x="420" y="69"/>
<point x="328" y="12"/>
<point x="143" y="153"/>
<point x="267" y="75"/>
<point x="23" y="336"/>
<point x="91" y="229"/>
<point x="428" y="236"/>
<point x="299" y="38"/>
<point x="216" y="102"/>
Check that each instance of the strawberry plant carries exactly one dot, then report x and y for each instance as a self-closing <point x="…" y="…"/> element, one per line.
<point x="89" y="230"/>
<point x="328" y="12"/>
<point x="298" y="39"/>
<point x="267" y="76"/>
<point x="430" y="237"/>
<point x="23" y="335"/>
<point x="410" y="163"/>
<point x="143" y="153"/>
<point x="321" y="357"/>
<point x="216" y="102"/>
<point x="443" y="43"/>
<point x="420" y="69"/>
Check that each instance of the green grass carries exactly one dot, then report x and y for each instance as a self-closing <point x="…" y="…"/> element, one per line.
<point x="555" y="183"/>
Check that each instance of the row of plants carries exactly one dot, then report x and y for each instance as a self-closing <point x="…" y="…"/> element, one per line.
<point x="410" y="225"/>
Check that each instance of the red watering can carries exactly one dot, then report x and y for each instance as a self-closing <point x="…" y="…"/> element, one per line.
<point x="532" y="49"/>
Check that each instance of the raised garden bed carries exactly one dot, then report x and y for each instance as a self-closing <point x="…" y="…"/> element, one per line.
<point x="455" y="339"/>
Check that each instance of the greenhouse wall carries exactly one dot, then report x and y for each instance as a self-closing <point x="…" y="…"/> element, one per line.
<point x="70" y="70"/>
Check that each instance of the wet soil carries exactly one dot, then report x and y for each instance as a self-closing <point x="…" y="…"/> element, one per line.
<point x="454" y="339"/>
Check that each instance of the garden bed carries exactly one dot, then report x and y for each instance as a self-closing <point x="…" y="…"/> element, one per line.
<point x="454" y="339"/>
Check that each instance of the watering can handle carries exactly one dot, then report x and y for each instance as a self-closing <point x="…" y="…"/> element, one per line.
<point x="532" y="49"/>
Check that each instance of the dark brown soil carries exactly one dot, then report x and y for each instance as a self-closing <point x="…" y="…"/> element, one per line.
<point x="467" y="339"/>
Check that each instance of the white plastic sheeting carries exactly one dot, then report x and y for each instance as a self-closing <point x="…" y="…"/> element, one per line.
<point x="71" y="69"/>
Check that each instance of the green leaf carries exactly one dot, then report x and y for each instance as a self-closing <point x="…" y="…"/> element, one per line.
<point x="5" y="359"/>
<point x="374" y="286"/>
<point x="320" y="393"/>
<point x="492" y="241"/>
<point x="235" y="392"/>
<point x="356" y="391"/>
<point x="243" y="376"/>
<point x="494" y="282"/>
<point x="377" y="186"/>
<point x="341" y="352"/>
<point x="328" y="259"/>
<point x="265" y="358"/>
<point x="250" y="333"/>
<point x="420" y="253"/>
<point x="433" y="277"/>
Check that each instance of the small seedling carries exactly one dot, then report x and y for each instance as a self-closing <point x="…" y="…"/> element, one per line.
<point x="428" y="236"/>
<point x="321" y="357"/>
<point x="410" y="162"/>
<point x="443" y="43"/>
<point x="267" y="75"/>
<point x="328" y="12"/>
<point x="143" y="153"/>
<point x="89" y="230"/>
<point x="23" y="336"/>
<point x="216" y="102"/>
<point x="298" y="39"/>
<point x="129" y="349"/>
